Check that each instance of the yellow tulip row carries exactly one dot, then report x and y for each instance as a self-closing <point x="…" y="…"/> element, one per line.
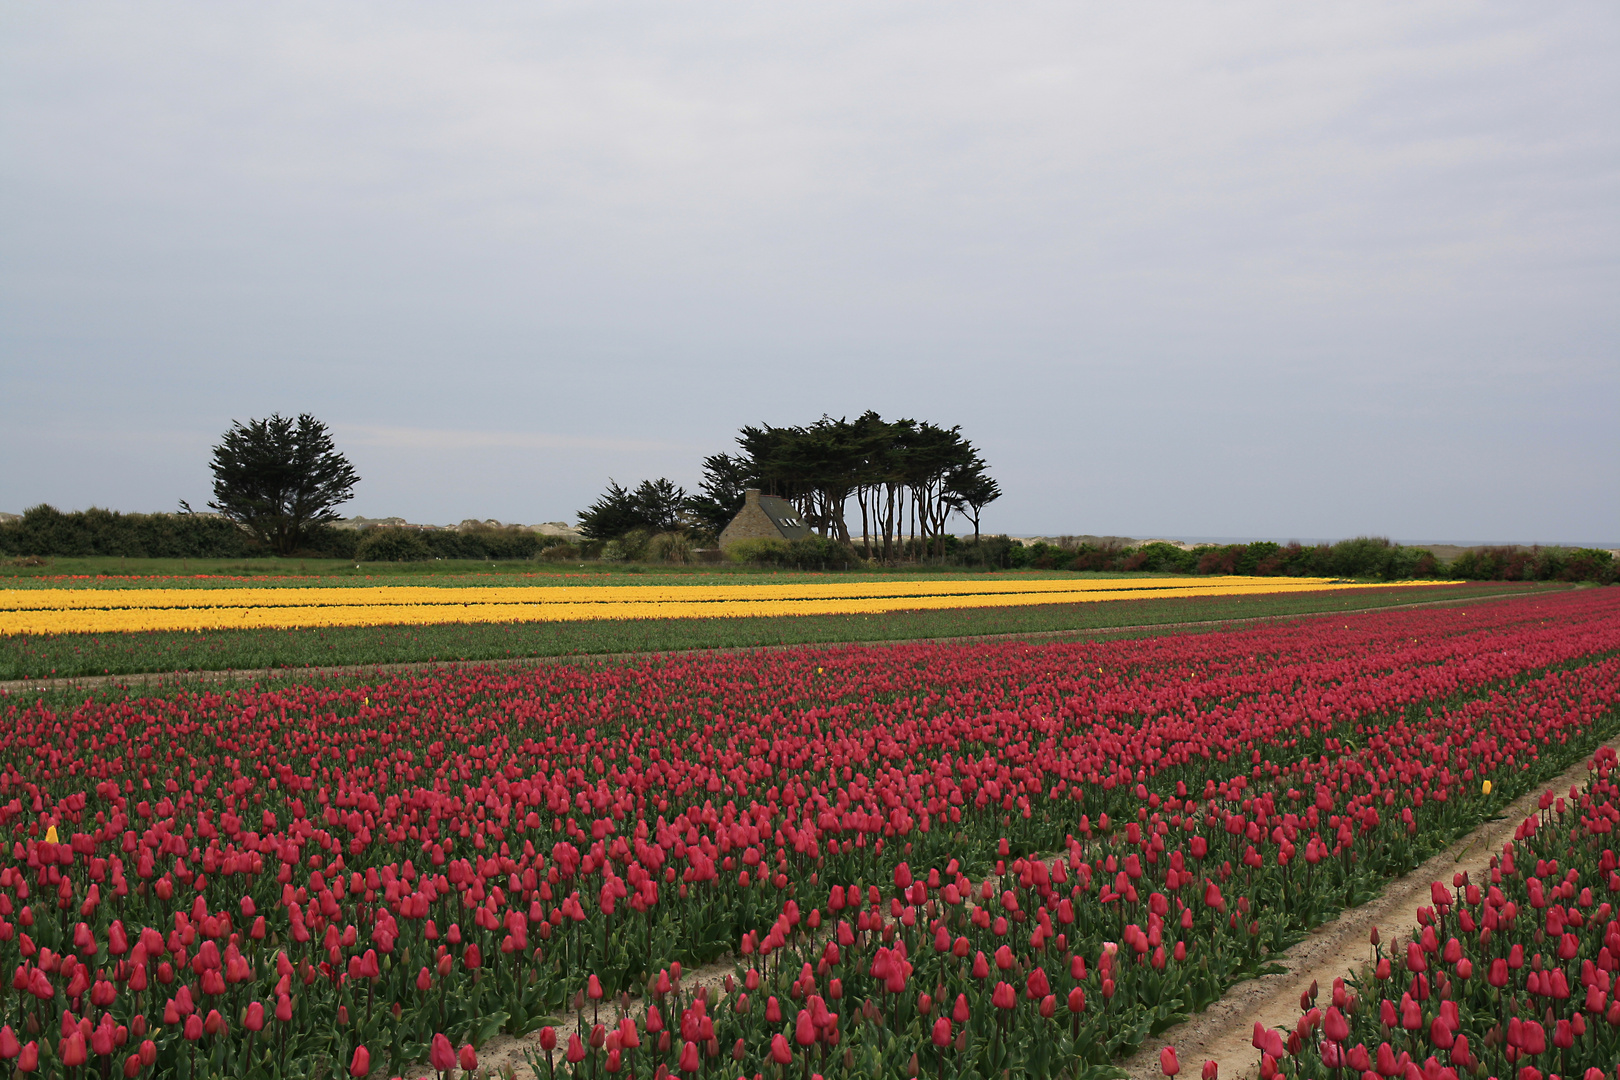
<point x="58" y="600"/>
<point x="111" y="611"/>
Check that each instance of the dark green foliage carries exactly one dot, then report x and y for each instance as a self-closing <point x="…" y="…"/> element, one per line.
<point x="1363" y="558"/>
<point x="45" y="530"/>
<point x="655" y="506"/>
<point x="906" y="476"/>
<point x="720" y="492"/>
<point x="393" y="545"/>
<point x="811" y="553"/>
<point x="969" y="489"/>
<point x="279" y="478"/>
<point x="1535" y="564"/>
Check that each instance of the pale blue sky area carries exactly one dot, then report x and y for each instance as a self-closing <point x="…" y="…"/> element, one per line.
<point x="1239" y="269"/>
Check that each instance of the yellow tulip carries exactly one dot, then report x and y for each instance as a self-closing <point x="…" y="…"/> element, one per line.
<point x="50" y="835"/>
<point x="1486" y="787"/>
<point x="56" y="611"/>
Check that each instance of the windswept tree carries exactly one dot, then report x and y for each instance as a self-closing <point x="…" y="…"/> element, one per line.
<point x="720" y="493"/>
<point x="969" y="490"/>
<point x="280" y="478"/>
<point x="654" y="505"/>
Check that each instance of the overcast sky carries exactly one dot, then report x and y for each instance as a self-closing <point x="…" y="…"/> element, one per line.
<point x="1251" y="270"/>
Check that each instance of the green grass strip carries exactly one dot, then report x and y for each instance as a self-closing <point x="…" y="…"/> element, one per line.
<point x="76" y="655"/>
<point x="102" y="572"/>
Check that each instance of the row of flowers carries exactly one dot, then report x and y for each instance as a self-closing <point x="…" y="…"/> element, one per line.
<point x="275" y="882"/>
<point x="38" y="611"/>
<point x="1509" y="975"/>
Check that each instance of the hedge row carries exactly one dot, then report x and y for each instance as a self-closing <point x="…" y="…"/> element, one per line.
<point x="1363" y="557"/>
<point x="44" y="531"/>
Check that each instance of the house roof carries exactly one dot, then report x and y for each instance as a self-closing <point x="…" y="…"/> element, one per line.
<point x="785" y="516"/>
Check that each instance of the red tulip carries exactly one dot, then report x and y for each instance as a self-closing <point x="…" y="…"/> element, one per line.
<point x="360" y="1064"/>
<point x="1167" y="1061"/>
<point x="71" y="1050"/>
<point x="442" y="1056"/>
<point x="690" y="1062"/>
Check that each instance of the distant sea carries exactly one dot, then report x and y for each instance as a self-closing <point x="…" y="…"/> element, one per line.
<point x="1609" y="545"/>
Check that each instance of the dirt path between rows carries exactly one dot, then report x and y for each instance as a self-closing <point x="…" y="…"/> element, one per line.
<point x="1223" y="1032"/>
<point x="169" y="679"/>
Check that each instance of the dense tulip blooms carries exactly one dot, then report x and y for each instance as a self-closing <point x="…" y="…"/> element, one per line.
<point x="506" y="832"/>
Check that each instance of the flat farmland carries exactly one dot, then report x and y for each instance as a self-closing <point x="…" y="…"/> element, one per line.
<point x="71" y="626"/>
<point x="928" y="859"/>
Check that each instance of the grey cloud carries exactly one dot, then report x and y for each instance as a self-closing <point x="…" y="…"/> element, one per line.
<point x="1227" y="270"/>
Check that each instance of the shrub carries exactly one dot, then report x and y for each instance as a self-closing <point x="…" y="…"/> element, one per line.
<point x="764" y="552"/>
<point x="1589" y="564"/>
<point x="670" y="547"/>
<point x="820" y="553"/>
<point x="45" y="530"/>
<point x="560" y="552"/>
<point x="1167" y="559"/>
<point x="486" y="542"/>
<point x="393" y="545"/>
<point x="1091" y="557"/>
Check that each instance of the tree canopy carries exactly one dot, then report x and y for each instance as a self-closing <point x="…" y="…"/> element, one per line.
<point x="906" y="478"/>
<point x="280" y="478"/>
<point x="656" y="506"/>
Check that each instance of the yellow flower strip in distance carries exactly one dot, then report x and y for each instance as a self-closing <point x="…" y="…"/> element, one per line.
<point x="49" y="600"/>
<point x="241" y="616"/>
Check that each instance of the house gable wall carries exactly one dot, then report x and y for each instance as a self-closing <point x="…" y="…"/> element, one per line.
<point x="754" y="522"/>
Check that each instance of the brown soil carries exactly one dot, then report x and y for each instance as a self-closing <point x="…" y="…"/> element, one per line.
<point x="1224" y="1031"/>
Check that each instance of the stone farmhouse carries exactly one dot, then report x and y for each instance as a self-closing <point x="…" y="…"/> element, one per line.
<point x="764" y="517"/>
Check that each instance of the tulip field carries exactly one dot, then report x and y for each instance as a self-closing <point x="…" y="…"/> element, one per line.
<point x="89" y="610"/>
<point x="921" y="860"/>
<point x="1512" y="975"/>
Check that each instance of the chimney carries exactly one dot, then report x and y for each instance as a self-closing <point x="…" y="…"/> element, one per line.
<point x="750" y="496"/>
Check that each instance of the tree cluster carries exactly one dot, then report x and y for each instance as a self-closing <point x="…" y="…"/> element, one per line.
<point x="905" y="477"/>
